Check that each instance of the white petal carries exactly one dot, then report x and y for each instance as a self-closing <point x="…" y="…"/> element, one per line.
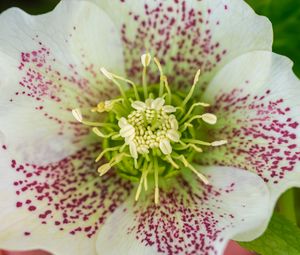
<point x="234" y="202"/>
<point x="57" y="207"/>
<point x="165" y="146"/>
<point x="256" y="98"/>
<point x="187" y="35"/>
<point x="138" y="105"/>
<point x="50" y="65"/>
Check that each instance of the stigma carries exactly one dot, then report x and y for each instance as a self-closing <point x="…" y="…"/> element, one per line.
<point x="150" y="132"/>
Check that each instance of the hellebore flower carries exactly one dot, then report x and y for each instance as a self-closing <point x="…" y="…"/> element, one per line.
<point x="182" y="169"/>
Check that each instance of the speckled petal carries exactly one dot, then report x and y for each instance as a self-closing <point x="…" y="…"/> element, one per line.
<point x="191" y="218"/>
<point x="58" y="207"/>
<point x="50" y="64"/>
<point x="256" y="99"/>
<point x="187" y="35"/>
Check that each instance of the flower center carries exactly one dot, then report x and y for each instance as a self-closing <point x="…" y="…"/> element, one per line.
<point x="151" y="133"/>
<point x="151" y="125"/>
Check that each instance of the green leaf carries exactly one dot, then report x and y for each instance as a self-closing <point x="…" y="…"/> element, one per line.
<point x="30" y="6"/>
<point x="285" y="17"/>
<point x="281" y="238"/>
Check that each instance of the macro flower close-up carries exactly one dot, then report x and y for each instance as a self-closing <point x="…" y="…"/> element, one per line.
<point x="143" y="127"/>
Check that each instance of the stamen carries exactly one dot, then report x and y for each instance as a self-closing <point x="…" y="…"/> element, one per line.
<point x="188" y="97"/>
<point x="157" y="103"/>
<point x="107" y="74"/>
<point x="171" y="161"/>
<point x="169" y="97"/>
<point x="135" y="163"/>
<point x="138" y="105"/>
<point x="110" y="76"/>
<point x="194" y="141"/>
<point x="139" y="189"/>
<point x="145" y="177"/>
<point x="107" y="150"/>
<point x="188" y="165"/>
<point x="209" y="118"/>
<point x="127" y="131"/>
<point x="129" y="82"/>
<point x="186" y="116"/>
<point x="149" y="130"/>
<point x="100" y="134"/>
<point x="184" y="146"/>
<point x="219" y="143"/>
<point x="146" y="59"/>
<point x="143" y="180"/>
<point x="161" y="79"/>
<point x="99" y="124"/>
<point x="169" y="108"/>
<point x="122" y="122"/>
<point x="103" y="169"/>
<point x="78" y="116"/>
<point x="173" y="122"/>
<point x="115" y="160"/>
<point x="185" y="126"/>
<point x="116" y="137"/>
<point x="150" y="126"/>
<point x="106" y="106"/>
<point x="173" y="135"/>
<point x="133" y="150"/>
<point x="165" y="146"/>
<point x="156" y="195"/>
<point x="215" y="143"/>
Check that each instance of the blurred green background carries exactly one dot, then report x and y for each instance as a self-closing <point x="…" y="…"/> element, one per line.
<point x="284" y="14"/>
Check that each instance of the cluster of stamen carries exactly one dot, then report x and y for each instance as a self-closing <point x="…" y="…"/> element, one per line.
<point x="147" y="134"/>
<point x="150" y="125"/>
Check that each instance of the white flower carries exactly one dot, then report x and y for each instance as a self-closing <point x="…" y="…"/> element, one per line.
<point x="51" y="194"/>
